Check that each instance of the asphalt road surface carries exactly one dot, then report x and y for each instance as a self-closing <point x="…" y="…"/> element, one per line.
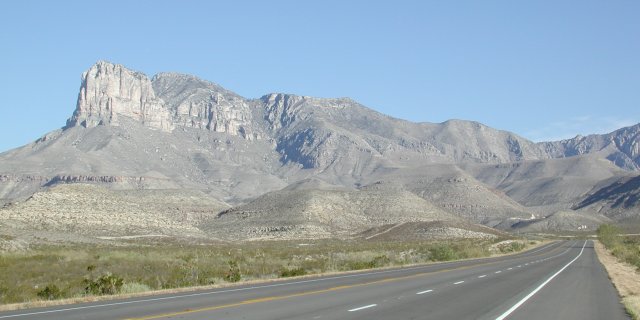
<point x="561" y="280"/>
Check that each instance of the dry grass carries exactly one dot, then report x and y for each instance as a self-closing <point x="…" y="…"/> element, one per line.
<point x="624" y="277"/>
<point x="157" y="270"/>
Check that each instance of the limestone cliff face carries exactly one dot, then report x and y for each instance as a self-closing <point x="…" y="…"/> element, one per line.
<point x="281" y="109"/>
<point x="110" y="91"/>
<point x="201" y="104"/>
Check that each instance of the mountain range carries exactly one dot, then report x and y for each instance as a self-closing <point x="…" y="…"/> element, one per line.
<point x="289" y="166"/>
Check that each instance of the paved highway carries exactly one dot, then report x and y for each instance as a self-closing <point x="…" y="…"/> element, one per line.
<point x="561" y="280"/>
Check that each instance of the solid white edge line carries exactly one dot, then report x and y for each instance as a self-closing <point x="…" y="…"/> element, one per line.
<point x="517" y="305"/>
<point x="364" y="307"/>
<point x="423" y="292"/>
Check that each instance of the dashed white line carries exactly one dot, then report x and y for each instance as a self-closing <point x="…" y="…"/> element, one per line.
<point x="519" y="266"/>
<point x="498" y="271"/>
<point x="459" y="282"/>
<point x="517" y="305"/>
<point x="363" y="307"/>
<point x="482" y="276"/>
<point x="423" y="292"/>
<point x="510" y="269"/>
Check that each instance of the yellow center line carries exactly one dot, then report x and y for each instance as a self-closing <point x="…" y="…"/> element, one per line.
<point x="306" y="293"/>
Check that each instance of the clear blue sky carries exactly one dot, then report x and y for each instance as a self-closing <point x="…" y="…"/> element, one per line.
<point x="542" y="69"/>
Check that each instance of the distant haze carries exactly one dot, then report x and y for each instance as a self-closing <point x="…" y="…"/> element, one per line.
<point x="545" y="69"/>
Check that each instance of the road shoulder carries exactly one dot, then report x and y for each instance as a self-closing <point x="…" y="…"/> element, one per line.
<point x="624" y="277"/>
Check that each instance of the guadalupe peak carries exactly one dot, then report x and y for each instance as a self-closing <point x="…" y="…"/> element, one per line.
<point x="109" y="91"/>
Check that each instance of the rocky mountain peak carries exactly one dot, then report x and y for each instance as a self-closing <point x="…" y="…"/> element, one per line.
<point x="109" y="91"/>
<point x="622" y="147"/>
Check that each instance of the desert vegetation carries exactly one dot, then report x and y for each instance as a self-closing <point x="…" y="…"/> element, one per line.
<point x="76" y="271"/>
<point x="625" y="248"/>
<point x="621" y="258"/>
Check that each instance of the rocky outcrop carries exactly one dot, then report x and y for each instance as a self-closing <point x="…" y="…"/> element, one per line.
<point x="196" y="103"/>
<point x="109" y="91"/>
<point x="280" y="109"/>
<point x="621" y="147"/>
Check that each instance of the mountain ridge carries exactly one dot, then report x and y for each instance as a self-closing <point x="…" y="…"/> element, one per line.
<point x="177" y="131"/>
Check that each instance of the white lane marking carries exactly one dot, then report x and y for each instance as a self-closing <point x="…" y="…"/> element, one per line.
<point x="510" y="269"/>
<point x="498" y="271"/>
<point x="519" y="266"/>
<point x="482" y="276"/>
<point x="423" y="292"/>
<point x="364" y="307"/>
<point x="227" y="291"/>
<point x="459" y="282"/>
<point x="249" y="288"/>
<point x="517" y="305"/>
<point x="543" y="247"/>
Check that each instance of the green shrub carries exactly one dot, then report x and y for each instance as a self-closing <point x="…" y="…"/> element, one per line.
<point x="376" y="262"/>
<point x="284" y="273"/>
<point x="50" y="292"/>
<point x="626" y="248"/>
<point x="443" y="252"/>
<point x="513" y="246"/>
<point x="609" y="235"/>
<point x="233" y="275"/>
<point x="106" y="284"/>
<point x="380" y="261"/>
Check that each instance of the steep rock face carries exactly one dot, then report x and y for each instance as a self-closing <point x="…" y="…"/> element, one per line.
<point x="109" y="91"/>
<point x="201" y="104"/>
<point x="280" y="109"/>
<point x="621" y="147"/>
<point x="307" y="133"/>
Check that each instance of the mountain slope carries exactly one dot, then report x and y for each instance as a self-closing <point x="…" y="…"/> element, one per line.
<point x="554" y="182"/>
<point x="619" y="200"/>
<point x="175" y="131"/>
<point x="321" y="214"/>
<point x="454" y="190"/>
<point x="81" y="209"/>
<point x="622" y="147"/>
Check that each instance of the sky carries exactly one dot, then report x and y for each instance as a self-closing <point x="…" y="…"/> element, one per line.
<point x="546" y="70"/>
